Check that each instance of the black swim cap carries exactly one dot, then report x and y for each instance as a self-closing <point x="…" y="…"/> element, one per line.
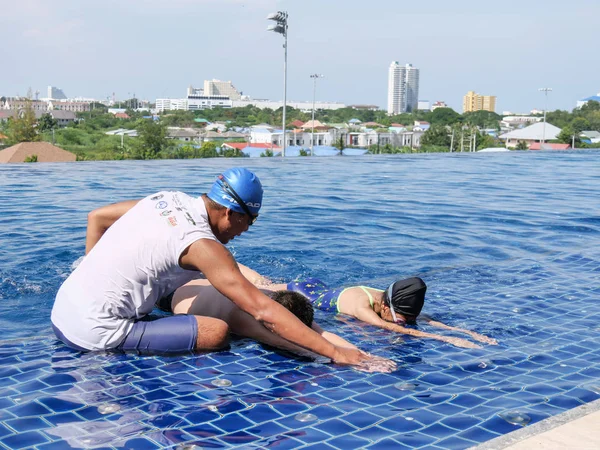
<point x="407" y="296"/>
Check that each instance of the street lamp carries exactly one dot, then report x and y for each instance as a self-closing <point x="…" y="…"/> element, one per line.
<point x="280" y="26"/>
<point x="545" y="91"/>
<point x="315" y="77"/>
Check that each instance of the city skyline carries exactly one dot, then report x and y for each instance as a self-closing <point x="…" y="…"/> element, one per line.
<point x="95" y="49"/>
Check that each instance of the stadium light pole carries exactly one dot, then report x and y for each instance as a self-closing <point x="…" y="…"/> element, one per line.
<point x="315" y="77"/>
<point x="545" y="91"/>
<point x="280" y="26"/>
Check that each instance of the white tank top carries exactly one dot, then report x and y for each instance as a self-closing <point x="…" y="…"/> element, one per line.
<point x="135" y="263"/>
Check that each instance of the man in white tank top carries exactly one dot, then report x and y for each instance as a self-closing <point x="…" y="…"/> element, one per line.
<point x="140" y="251"/>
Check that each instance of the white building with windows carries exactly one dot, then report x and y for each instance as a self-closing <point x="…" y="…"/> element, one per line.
<point x="219" y="88"/>
<point x="403" y="88"/>
<point x="302" y="106"/>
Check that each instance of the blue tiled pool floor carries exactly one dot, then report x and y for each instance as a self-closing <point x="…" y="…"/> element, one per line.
<point x="440" y="396"/>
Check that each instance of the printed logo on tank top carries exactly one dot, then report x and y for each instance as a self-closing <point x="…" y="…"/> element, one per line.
<point x="161" y="205"/>
<point x="166" y="213"/>
<point x="172" y="221"/>
<point x="157" y="197"/>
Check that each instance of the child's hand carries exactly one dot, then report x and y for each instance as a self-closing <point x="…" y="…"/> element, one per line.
<point x="463" y="343"/>
<point x="482" y="338"/>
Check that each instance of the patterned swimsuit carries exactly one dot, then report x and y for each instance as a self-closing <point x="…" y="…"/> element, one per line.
<point x="320" y="295"/>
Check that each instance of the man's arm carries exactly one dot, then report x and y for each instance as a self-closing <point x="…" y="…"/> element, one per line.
<point x="220" y="268"/>
<point x="473" y="334"/>
<point x="100" y="220"/>
<point x="368" y="315"/>
<point x="243" y="324"/>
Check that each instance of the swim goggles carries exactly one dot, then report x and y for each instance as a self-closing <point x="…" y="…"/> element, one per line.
<point x="389" y="301"/>
<point x="229" y="190"/>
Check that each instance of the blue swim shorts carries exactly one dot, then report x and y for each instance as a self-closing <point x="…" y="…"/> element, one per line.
<point x="160" y="334"/>
<point x="153" y="335"/>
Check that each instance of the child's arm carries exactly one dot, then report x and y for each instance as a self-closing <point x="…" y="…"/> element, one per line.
<point x="253" y="276"/>
<point x="473" y="334"/>
<point x="369" y="316"/>
<point x="331" y="337"/>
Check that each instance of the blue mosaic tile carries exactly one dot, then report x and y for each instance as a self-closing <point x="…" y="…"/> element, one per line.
<point x="24" y="440"/>
<point x="232" y="423"/>
<point x="455" y="443"/>
<point x="387" y="444"/>
<point x="29" y="409"/>
<point x="348" y="441"/>
<point x="28" y="424"/>
<point x="267" y="429"/>
<point x="4" y="431"/>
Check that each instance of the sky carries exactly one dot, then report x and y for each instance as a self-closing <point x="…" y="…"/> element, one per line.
<point x="157" y="48"/>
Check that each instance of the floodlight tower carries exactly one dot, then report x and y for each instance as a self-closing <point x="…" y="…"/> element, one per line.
<point x="280" y="26"/>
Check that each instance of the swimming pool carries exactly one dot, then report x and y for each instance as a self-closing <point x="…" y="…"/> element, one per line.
<point x="507" y="243"/>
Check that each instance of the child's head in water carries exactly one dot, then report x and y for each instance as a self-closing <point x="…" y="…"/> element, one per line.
<point x="297" y="304"/>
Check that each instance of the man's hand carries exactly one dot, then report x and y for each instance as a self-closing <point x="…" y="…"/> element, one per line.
<point x="363" y="361"/>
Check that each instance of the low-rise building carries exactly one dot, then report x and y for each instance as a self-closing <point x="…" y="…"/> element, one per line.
<point x="69" y="106"/>
<point x="438" y="104"/>
<point x="518" y="121"/>
<point x="537" y="132"/>
<point x="584" y="101"/>
<point x="17" y="103"/>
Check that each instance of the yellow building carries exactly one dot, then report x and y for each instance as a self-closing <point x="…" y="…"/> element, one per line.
<point x="475" y="102"/>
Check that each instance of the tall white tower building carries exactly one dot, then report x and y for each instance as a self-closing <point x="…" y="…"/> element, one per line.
<point x="412" y="88"/>
<point x="403" y="88"/>
<point x="396" y="88"/>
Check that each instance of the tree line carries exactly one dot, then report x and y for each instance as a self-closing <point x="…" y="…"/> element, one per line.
<point x="87" y="138"/>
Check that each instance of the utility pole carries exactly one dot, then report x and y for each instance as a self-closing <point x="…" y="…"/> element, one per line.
<point x="545" y="91"/>
<point x="314" y="76"/>
<point x="452" y="141"/>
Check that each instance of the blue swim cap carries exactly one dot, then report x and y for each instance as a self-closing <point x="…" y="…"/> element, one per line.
<point x="245" y="184"/>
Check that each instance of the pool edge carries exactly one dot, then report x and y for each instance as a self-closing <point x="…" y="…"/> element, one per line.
<point x="562" y="425"/>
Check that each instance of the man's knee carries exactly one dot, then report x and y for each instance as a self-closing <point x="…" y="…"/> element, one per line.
<point x="212" y="333"/>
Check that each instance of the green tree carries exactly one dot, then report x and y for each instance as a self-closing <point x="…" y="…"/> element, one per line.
<point x="46" y="122"/>
<point x="580" y="124"/>
<point x="522" y="145"/>
<point x="436" y="135"/>
<point x="444" y="116"/>
<point x="482" y="119"/>
<point x="567" y="135"/>
<point x="208" y="150"/>
<point x="23" y="127"/>
<point x="152" y="140"/>
<point x="267" y="153"/>
<point x="31" y="159"/>
<point x="485" y="141"/>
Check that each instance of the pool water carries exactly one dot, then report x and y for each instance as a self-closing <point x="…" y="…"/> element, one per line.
<point x="508" y="244"/>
